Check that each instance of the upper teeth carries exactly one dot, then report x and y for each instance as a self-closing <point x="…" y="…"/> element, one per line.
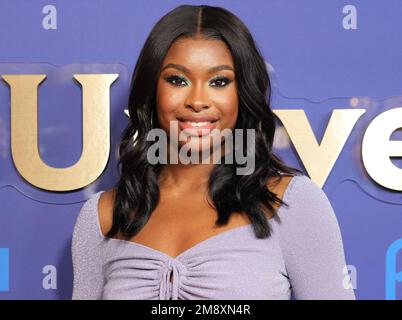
<point x="198" y="124"/>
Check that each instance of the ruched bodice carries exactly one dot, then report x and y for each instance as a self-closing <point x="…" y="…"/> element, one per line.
<point x="304" y="254"/>
<point x="204" y="271"/>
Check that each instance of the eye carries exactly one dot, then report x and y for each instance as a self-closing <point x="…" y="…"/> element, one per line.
<point x="176" y="80"/>
<point x="221" y="81"/>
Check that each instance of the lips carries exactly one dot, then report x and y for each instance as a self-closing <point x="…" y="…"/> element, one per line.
<point x="194" y="118"/>
<point x="199" y="125"/>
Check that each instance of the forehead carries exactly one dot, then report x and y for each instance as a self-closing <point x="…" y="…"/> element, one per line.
<point x="199" y="52"/>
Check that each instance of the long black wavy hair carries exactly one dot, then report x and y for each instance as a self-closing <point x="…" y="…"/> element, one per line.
<point x="137" y="192"/>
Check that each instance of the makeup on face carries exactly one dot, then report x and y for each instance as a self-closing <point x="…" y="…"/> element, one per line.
<point x="197" y="87"/>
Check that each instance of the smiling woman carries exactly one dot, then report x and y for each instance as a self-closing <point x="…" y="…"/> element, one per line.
<point x="202" y="231"/>
<point x="201" y="92"/>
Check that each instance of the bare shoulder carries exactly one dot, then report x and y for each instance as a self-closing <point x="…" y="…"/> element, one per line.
<point x="105" y="209"/>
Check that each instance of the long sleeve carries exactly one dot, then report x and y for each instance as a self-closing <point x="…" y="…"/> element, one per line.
<point x="87" y="254"/>
<point x="311" y="244"/>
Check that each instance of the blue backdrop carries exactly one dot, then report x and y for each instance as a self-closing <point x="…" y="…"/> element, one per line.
<point x="322" y="55"/>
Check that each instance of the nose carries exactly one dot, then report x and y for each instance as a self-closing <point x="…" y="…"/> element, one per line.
<point x="197" y="98"/>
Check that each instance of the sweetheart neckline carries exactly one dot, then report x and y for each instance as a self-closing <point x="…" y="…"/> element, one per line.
<point x="183" y="253"/>
<point x="193" y="247"/>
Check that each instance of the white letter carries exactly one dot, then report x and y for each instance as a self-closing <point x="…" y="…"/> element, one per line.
<point x="50" y="20"/>
<point x="349" y="281"/>
<point x="50" y="281"/>
<point x="349" y="21"/>
<point x="377" y="148"/>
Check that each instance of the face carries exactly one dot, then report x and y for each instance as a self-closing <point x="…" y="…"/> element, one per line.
<point x="197" y="88"/>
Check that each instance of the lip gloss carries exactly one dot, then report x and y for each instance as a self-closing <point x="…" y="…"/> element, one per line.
<point x="197" y="130"/>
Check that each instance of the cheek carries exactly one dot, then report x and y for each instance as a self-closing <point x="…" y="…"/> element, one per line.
<point x="229" y="106"/>
<point x="161" y="110"/>
<point x="167" y="102"/>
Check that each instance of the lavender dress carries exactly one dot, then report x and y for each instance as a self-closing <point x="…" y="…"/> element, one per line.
<point x="304" y="256"/>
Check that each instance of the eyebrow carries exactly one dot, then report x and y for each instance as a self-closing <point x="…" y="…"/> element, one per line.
<point x="185" y="70"/>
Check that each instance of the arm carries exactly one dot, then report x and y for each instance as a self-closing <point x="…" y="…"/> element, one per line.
<point x="86" y="254"/>
<point x="311" y="244"/>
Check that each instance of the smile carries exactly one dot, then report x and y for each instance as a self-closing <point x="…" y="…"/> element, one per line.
<point x="201" y="127"/>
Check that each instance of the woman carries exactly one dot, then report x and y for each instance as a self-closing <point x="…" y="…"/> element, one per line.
<point x="201" y="230"/>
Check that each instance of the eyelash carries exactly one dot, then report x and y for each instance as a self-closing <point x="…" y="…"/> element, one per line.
<point x="218" y="78"/>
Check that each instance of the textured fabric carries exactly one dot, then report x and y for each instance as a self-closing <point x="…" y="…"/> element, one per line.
<point x="304" y="255"/>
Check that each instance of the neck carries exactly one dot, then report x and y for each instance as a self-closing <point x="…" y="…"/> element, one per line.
<point x="186" y="176"/>
<point x="189" y="176"/>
